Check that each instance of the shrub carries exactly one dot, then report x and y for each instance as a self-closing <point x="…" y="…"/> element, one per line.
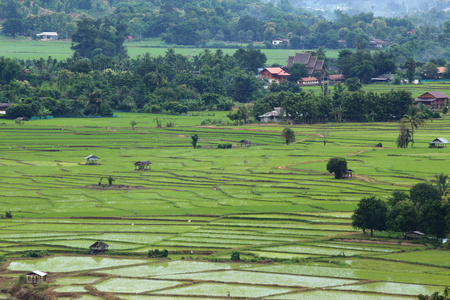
<point x="36" y="254"/>
<point x="235" y="256"/>
<point x="225" y="146"/>
<point x="157" y="253"/>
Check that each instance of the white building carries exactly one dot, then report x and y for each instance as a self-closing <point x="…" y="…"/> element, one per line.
<point x="45" y="36"/>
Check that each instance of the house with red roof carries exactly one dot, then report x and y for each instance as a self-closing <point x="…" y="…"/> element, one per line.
<point x="333" y="79"/>
<point x="434" y="100"/>
<point x="308" y="81"/>
<point x="274" y="74"/>
<point x="441" y="71"/>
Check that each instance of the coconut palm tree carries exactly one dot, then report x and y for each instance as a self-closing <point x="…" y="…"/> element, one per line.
<point x="442" y="183"/>
<point x="92" y="95"/>
<point x="413" y="118"/>
<point x="289" y="135"/>
<point x="158" y="77"/>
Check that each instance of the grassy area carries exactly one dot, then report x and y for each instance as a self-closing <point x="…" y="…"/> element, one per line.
<point x="26" y="48"/>
<point x="267" y="201"/>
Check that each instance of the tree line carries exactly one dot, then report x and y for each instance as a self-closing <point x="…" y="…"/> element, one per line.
<point x="425" y="208"/>
<point x="216" y="23"/>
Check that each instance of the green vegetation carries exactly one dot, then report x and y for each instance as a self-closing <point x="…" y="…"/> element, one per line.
<point x="268" y="202"/>
<point x="338" y="166"/>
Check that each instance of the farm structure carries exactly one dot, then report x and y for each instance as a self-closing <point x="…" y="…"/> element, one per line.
<point x="92" y="159"/>
<point x="47" y="36"/>
<point x="245" y="143"/>
<point x="384" y="78"/>
<point x="98" y="247"/>
<point x="271" y="116"/>
<point x="142" y="165"/>
<point x="415" y="235"/>
<point x="439" y="142"/>
<point x="20" y="120"/>
<point x="36" y="277"/>
<point x="434" y="99"/>
<point x="348" y="174"/>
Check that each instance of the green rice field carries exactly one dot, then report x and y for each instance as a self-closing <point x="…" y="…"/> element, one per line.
<point x="275" y="204"/>
<point x="25" y="48"/>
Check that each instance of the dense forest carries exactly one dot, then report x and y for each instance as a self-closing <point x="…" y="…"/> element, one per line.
<point x="100" y="78"/>
<point x="421" y="34"/>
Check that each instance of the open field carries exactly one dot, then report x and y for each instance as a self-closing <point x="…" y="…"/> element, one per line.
<point x="267" y="201"/>
<point x="26" y="48"/>
<point x="415" y="89"/>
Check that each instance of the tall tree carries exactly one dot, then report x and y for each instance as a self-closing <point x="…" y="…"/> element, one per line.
<point x="413" y="118"/>
<point x="338" y="166"/>
<point x="94" y="37"/>
<point x="403" y="217"/>
<point x="250" y="59"/>
<point x="410" y="66"/>
<point x="371" y="213"/>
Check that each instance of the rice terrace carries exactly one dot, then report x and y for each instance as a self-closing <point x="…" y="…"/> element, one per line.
<point x="273" y="205"/>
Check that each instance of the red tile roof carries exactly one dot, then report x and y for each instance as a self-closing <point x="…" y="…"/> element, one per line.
<point x="277" y="71"/>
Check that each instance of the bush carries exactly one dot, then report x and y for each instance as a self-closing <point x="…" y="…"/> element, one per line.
<point x="225" y="146"/>
<point x="157" y="253"/>
<point x="235" y="256"/>
<point x="36" y="254"/>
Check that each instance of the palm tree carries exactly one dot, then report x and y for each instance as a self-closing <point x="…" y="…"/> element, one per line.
<point x="289" y="135"/>
<point x="92" y="95"/>
<point x="158" y="77"/>
<point x="413" y="117"/>
<point x="442" y="183"/>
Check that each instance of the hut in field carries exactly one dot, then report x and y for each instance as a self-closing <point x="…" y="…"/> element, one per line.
<point x="20" y="120"/>
<point x="439" y="143"/>
<point x="245" y="143"/>
<point x="36" y="277"/>
<point x="415" y="235"/>
<point x="142" y="165"/>
<point x="92" y="159"/>
<point x="347" y="174"/>
<point x="98" y="247"/>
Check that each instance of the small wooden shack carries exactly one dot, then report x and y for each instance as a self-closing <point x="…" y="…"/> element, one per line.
<point x="439" y="143"/>
<point x="245" y="143"/>
<point x="92" y="159"/>
<point x="415" y="235"/>
<point x="36" y="277"/>
<point x="98" y="247"/>
<point x="348" y="173"/>
<point x="142" y="165"/>
<point x="20" y="120"/>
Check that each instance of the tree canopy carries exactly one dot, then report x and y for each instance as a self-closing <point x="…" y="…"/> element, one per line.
<point x="338" y="166"/>
<point x="371" y="213"/>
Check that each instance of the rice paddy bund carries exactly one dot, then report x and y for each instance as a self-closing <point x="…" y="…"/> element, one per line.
<point x="268" y="201"/>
